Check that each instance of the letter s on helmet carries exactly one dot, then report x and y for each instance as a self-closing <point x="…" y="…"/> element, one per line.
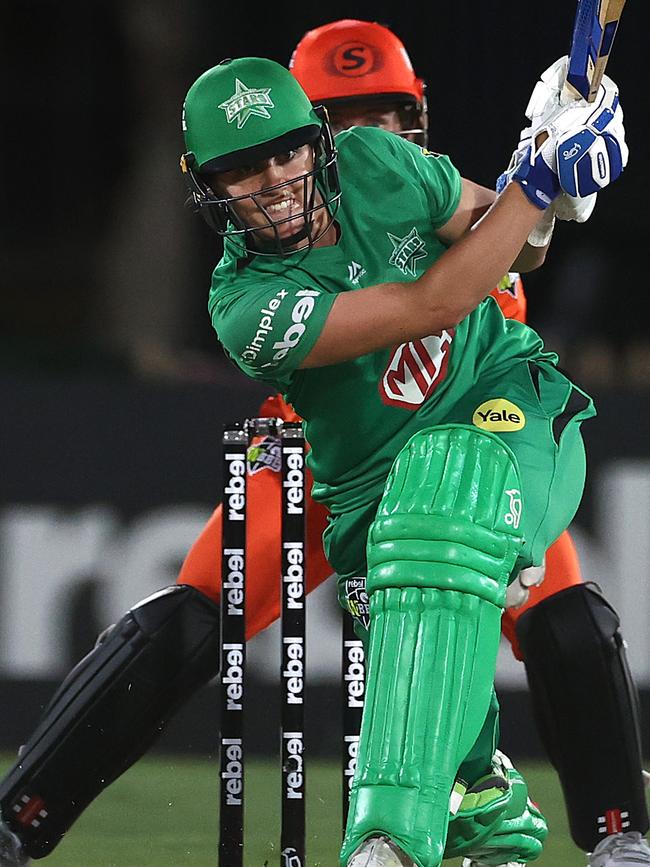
<point x="350" y="61"/>
<point x="244" y="111"/>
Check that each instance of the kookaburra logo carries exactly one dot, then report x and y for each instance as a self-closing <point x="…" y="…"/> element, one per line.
<point x="247" y="101"/>
<point x="407" y="251"/>
<point x="513" y="517"/>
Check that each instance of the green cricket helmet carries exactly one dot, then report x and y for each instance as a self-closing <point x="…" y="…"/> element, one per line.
<point x="241" y="113"/>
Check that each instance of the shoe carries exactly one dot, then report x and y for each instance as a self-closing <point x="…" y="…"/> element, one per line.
<point x="379" y="852"/>
<point x="11" y="854"/>
<point x="621" y="850"/>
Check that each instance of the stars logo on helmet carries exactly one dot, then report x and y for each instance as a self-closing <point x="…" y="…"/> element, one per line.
<point x="247" y="101"/>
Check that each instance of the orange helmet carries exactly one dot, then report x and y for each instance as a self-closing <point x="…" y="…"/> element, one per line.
<point x="350" y="60"/>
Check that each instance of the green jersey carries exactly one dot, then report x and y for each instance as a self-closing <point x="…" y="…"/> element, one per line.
<point x="269" y="311"/>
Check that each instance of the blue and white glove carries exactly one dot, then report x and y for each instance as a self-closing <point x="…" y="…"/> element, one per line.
<point x="548" y="95"/>
<point x="578" y="148"/>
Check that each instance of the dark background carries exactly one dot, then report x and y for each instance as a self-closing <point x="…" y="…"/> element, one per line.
<point x="104" y="272"/>
<point x="111" y="375"/>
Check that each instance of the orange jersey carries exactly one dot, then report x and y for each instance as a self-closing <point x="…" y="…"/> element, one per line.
<point x="511" y="297"/>
<point x="202" y="566"/>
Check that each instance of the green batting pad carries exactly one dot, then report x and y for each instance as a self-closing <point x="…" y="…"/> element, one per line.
<point x="430" y="674"/>
<point x="449" y="516"/>
<point x="440" y="553"/>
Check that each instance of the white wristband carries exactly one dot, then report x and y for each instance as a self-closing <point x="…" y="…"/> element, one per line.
<point x="543" y="231"/>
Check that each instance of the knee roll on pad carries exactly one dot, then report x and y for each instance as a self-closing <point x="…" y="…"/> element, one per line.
<point x="449" y="516"/>
<point x="586" y="708"/>
<point x="440" y="553"/>
<point x="108" y="710"/>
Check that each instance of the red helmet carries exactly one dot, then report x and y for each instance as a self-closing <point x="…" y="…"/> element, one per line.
<point x="351" y="60"/>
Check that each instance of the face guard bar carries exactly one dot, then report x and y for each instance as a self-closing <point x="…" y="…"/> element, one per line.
<point x="221" y="215"/>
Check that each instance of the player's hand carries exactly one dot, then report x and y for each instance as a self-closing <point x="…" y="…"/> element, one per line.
<point x="580" y="149"/>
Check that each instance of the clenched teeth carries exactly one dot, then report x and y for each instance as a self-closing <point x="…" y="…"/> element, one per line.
<point x="284" y="205"/>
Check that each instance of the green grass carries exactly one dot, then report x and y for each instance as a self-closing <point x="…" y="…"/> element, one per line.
<point x="164" y="813"/>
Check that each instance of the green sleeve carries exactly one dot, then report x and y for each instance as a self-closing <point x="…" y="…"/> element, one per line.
<point x="444" y="185"/>
<point x="268" y="329"/>
<point x="431" y="172"/>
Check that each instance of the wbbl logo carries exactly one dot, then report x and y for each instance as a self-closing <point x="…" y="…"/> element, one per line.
<point x="235" y="489"/>
<point x="264" y="455"/>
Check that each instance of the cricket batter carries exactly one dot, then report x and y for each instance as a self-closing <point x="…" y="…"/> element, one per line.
<point x="440" y="492"/>
<point x="572" y="646"/>
<point x="460" y="511"/>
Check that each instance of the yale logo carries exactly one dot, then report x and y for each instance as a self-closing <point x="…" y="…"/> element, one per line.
<point x="499" y="414"/>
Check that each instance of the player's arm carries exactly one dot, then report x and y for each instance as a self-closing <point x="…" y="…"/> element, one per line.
<point x="581" y="151"/>
<point x="475" y="201"/>
<point x="378" y="316"/>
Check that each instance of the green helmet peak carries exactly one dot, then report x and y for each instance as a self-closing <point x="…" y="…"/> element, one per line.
<point x="245" y="107"/>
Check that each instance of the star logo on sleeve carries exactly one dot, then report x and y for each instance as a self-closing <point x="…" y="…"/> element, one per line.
<point x="407" y="251"/>
<point x="246" y="102"/>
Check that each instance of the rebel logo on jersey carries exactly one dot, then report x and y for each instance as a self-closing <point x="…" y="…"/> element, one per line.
<point x="499" y="415"/>
<point x="302" y="310"/>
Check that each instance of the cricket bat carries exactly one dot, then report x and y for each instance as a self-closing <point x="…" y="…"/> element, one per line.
<point x="594" y="29"/>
